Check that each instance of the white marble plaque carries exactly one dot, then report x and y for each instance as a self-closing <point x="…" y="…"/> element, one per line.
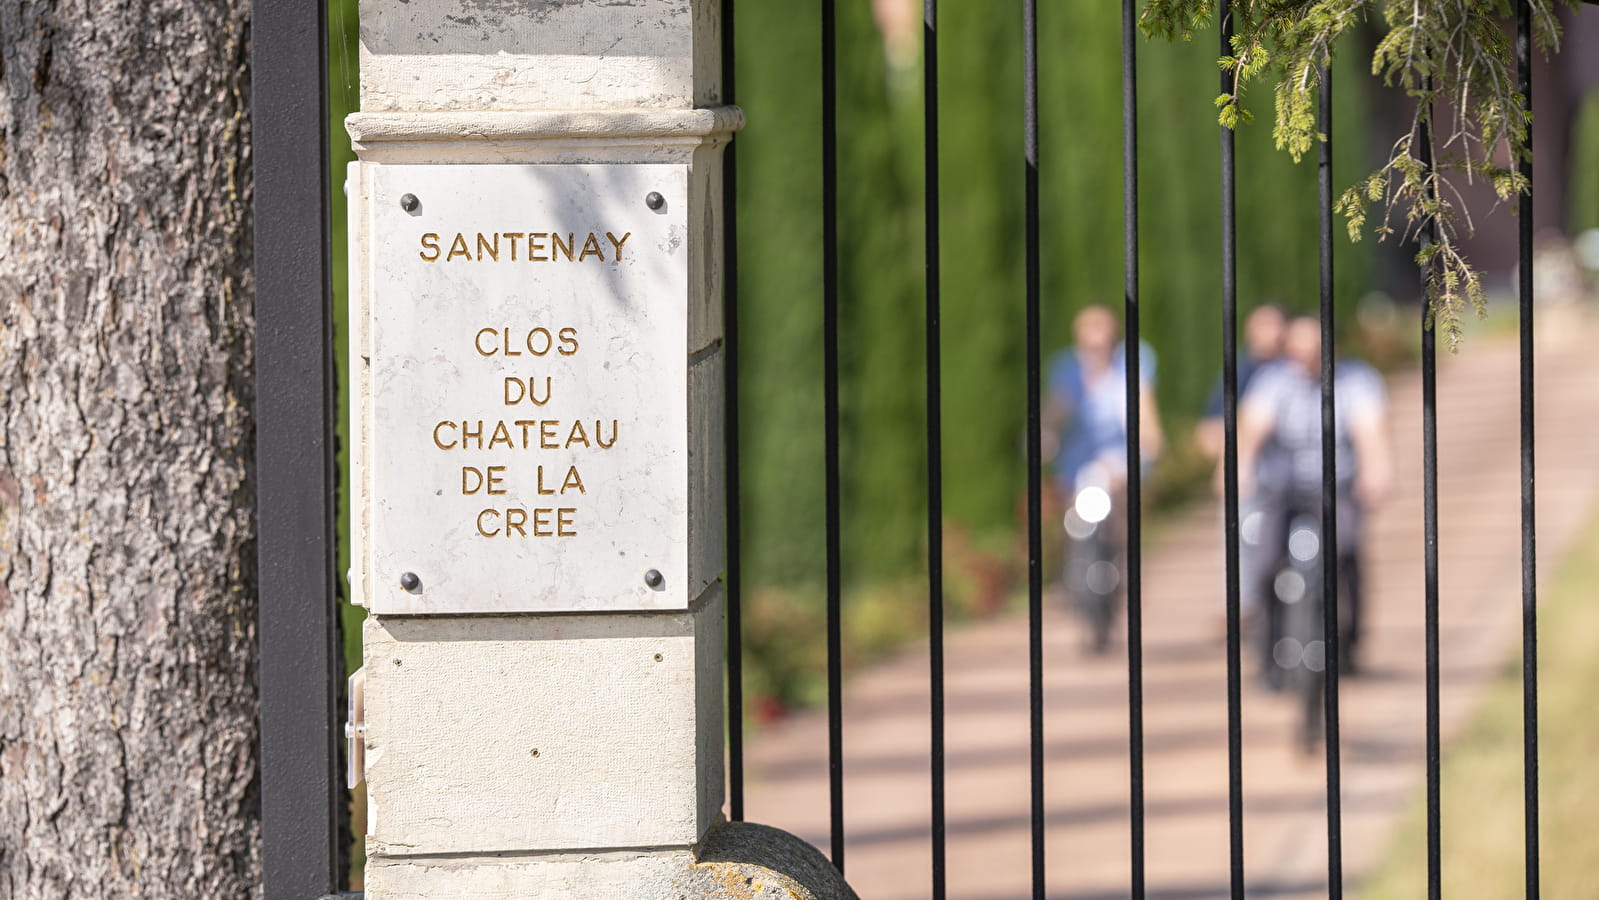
<point x="528" y="388"/>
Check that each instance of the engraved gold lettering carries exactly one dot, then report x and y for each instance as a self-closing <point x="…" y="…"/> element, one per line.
<point x="484" y="245"/>
<point x="541" y="488"/>
<point x="547" y="521"/>
<point x="577" y="436"/>
<point x="526" y="390"/>
<point x="548" y="341"/>
<point x="438" y="443"/>
<point x="525" y="424"/>
<point x="494" y="480"/>
<point x="506" y="343"/>
<point x="568" y="339"/>
<point x="472" y="434"/>
<point x="563" y="246"/>
<point x="618" y="243"/>
<point x="547" y="434"/>
<point x="600" y="440"/>
<point x="501" y="435"/>
<point x="471" y="480"/>
<point x="478" y="341"/>
<point x="542" y="246"/>
<point x="487" y="512"/>
<point x="516" y="518"/>
<point x="573" y="480"/>
<point x="430" y="241"/>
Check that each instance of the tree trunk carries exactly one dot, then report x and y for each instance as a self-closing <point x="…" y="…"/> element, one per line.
<point x="128" y="761"/>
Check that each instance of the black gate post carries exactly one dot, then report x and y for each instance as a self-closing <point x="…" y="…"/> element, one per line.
<point x="295" y="476"/>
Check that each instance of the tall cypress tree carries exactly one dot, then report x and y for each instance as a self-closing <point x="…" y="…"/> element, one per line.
<point x="881" y="231"/>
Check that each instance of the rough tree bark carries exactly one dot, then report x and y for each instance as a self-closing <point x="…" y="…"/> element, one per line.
<point x="128" y="763"/>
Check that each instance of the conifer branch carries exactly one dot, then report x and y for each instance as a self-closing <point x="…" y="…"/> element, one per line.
<point x="1453" y="56"/>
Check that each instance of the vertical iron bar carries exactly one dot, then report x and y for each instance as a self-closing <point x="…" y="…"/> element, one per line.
<point x="1429" y="427"/>
<point x="1229" y="315"/>
<point x="1135" y="487"/>
<point x="1529" y="532"/>
<point x="734" y="543"/>
<point x="935" y="439"/>
<point x="835" y="687"/>
<point x="1035" y="465"/>
<point x="301" y="796"/>
<point x="1329" y="499"/>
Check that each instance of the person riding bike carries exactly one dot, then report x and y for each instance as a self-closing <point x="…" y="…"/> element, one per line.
<point x="1262" y="346"/>
<point x="1086" y="412"/>
<point x="1261" y="349"/>
<point x="1280" y="415"/>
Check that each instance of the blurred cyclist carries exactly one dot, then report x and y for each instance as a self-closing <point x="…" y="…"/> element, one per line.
<point x="1281" y="415"/>
<point x="1086" y="411"/>
<point x="1263" y="345"/>
<point x="1086" y="401"/>
<point x="1262" y="349"/>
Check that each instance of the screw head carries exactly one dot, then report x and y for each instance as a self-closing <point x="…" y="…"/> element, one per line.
<point x="653" y="578"/>
<point x="654" y="200"/>
<point x="409" y="203"/>
<point x="410" y="582"/>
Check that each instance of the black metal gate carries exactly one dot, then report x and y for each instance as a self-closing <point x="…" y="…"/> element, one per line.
<point x="1228" y="322"/>
<point x="303" y="806"/>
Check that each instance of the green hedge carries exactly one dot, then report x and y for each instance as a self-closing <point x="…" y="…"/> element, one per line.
<point x="981" y="183"/>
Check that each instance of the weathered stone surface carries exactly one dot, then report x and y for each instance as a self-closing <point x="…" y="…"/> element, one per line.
<point x="529" y="436"/>
<point x="538" y="54"/>
<point x="540" y="734"/>
<point x="737" y="861"/>
<point x="745" y="861"/>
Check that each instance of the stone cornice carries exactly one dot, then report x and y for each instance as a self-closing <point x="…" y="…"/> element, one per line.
<point x="562" y="126"/>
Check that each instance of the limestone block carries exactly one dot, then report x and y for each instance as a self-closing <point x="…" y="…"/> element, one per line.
<point x="538" y="54"/>
<point x="707" y="499"/>
<point x="738" y="861"/>
<point x="510" y="734"/>
<point x="544" y="136"/>
<point x="574" y="876"/>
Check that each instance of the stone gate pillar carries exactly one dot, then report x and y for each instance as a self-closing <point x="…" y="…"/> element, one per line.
<point x="536" y="372"/>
